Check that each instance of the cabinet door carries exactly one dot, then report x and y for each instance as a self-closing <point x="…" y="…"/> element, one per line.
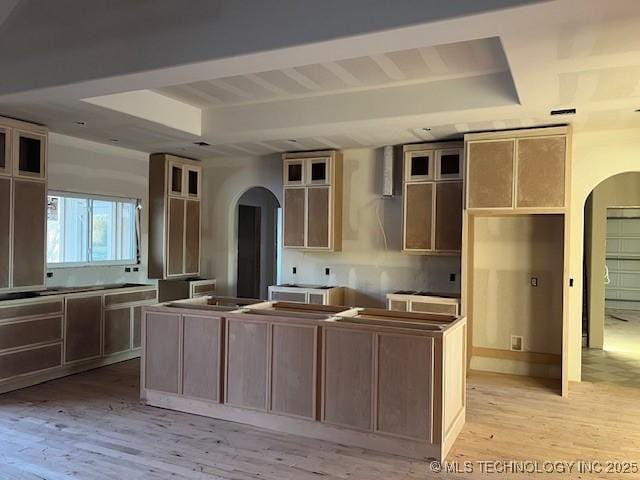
<point x="318" y="217"/>
<point x="293" y="371"/>
<point x="404" y="394"/>
<point x="193" y="181"/>
<point x="29" y="232"/>
<point x="319" y="171"/>
<point x="294" y="217"/>
<point x="247" y="347"/>
<point x="418" y="216"/>
<point x="449" y="216"/>
<point x="192" y="237"/>
<point x="29" y="153"/>
<point x="175" y="237"/>
<point x="201" y="362"/>
<point x="541" y="172"/>
<point x="162" y="352"/>
<point x="298" y="297"/>
<point x="5" y="150"/>
<point x="294" y="172"/>
<point x="418" y="166"/>
<point x="449" y="164"/>
<point x="176" y="179"/>
<point x="5" y="228"/>
<point x="82" y="328"/>
<point x="490" y="174"/>
<point x="348" y="378"/>
<point x="117" y="330"/>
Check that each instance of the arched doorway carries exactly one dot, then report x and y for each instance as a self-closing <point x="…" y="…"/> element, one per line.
<point x="257" y="214"/>
<point x="611" y="292"/>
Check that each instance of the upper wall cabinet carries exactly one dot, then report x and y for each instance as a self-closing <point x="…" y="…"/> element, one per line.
<point x="313" y="200"/>
<point x="23" y="209"/>
<point x="432" y="201"/>
<point x="175" y="188"/>
<point x="521" y="170"/>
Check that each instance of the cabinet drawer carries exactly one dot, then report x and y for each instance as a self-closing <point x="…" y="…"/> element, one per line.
<point x="299" y="297"/>
<point x="28" y="361"/>
<point x="129" y="297"/>
<point x="32" y="309"/>
<point x="21" y="334"/>
<point x="434" y="307"/>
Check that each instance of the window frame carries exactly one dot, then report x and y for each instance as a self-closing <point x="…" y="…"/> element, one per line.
<point x="105" y="198"/>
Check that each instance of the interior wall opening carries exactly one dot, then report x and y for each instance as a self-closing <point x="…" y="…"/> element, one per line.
<point x="257" y="214"/>
<point x="611" y="326"/>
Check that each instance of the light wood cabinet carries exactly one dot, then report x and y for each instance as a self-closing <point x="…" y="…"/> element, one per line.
<point x="423" y="302"/>
<point x="313" y="200"/>
<point x="175" y="188"/>
<point x="83" y="327"/>
<point x="23" y="204"/>
<point x="201" y="357"/>
<point x="311" y="294"/>
<point x="432" y="203"/>
<point x="524" y="170"/>
<point x="162" y="352"/>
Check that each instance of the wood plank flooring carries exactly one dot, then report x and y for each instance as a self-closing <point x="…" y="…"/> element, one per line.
<point x="91" y="426"/>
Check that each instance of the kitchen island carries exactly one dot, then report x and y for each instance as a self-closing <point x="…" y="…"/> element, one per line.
<point x="387" y="381"/>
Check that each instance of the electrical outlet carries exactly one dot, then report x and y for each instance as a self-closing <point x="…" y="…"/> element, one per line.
<point x="516" y="343"/>
<point x="452" y="277"/>
<point x="327" y="271"/>
<point x="534" y="281"/>
<point x="136" y="269"/>
<point x="294" y="270"/>
<point x="49" y="274"/>
<point x="127" y="269"/>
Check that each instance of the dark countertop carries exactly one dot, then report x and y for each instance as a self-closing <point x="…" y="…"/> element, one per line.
<point x="66" y="290"/>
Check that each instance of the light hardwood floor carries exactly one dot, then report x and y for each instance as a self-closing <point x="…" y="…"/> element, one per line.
<point x="91" y="426"/>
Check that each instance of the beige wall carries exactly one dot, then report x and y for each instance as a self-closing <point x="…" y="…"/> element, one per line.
<point x="225" y="180"/>
<point x="508" y="253"/>
<point x="622" y="190"/>
<point x="596" y="157"/>
<point x="365" y="265"/>
<point x="81" y="166"/>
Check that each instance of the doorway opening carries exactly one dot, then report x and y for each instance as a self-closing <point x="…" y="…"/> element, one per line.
<point x="257" y="216"/>
<point x="611" y="327"/>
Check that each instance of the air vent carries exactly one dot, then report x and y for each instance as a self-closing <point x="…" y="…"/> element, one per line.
<point x="202" y="144"/>
<point x="563" y="111"/>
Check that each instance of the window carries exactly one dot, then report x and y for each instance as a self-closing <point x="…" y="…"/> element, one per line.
<point x="85" y="230"/>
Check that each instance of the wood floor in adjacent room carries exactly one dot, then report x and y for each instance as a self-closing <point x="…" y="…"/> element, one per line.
<point x="91" y="426"/>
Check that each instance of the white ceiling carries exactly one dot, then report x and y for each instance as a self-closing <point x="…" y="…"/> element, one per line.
<point x="492" y="70"/>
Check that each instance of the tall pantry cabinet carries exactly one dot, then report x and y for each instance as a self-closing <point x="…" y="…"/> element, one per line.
<point x="175" y="185"/>
<point x="313" y="200"/>
<point x="23" y="205"/>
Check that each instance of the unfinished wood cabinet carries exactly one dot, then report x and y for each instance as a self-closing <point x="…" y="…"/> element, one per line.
<point x="5" y="226"/>
<point x="23" y="204"/>
<point x="175" y="188"/>
<point x="424" y="302"/>
<point x="162" y="352"/>
<point x="201" y="357"/>
<point x="523" y="170"/>
<point x="83" y="327"/>
<point x="312" y="294"/>
<point x="117" y="330"/>
<point x="247" y="363"/>
<point x="432" y="204"/>
<point x="313" y="200"/>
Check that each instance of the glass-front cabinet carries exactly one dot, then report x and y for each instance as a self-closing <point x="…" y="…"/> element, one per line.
<point x="29" y="154"/>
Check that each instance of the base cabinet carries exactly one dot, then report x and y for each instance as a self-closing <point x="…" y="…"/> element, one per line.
<point x="86" y="329"/>
<point x="312" y="294"/>
<point x="83" y="328"/>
